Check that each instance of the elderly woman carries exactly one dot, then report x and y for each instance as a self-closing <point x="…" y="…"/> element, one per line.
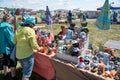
<point x="26" y="45"/>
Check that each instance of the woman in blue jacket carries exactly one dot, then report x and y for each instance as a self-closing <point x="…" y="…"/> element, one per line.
<point x="6" y="44"/>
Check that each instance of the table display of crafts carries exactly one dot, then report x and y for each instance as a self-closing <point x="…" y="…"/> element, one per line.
<point x="101" y="62"/>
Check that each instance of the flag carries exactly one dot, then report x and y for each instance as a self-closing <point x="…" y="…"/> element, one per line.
<point x="103" y="21"/>
<point x="15" y="23"/>
<point x="48" y="16"/>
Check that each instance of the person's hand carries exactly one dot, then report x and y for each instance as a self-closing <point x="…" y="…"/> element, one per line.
<point x="41" y="49"/>
<point x="35" y="51"/>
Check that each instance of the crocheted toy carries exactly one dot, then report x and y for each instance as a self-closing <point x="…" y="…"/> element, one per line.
<point x="109" y="51"/>
<point x="87" y="58"/>
<point x="94" y="64"/>
<point x="60" y="46"/>
<point x="101" y="67"/>
<point x="75" y="48"/>
<point x="117" y="74"/>
<point x="96" y="50"/>
<point x="81" y="62"/>
<point x="109" y="73"/>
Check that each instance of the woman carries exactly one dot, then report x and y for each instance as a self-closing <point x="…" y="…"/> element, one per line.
<point x="26" y="45"/>
<point x="6" y="44"/>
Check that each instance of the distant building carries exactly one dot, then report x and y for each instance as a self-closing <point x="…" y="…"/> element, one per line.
<point x="92" y="14"/>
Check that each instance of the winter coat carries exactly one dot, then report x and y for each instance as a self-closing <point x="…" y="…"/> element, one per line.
<point x="6" y="37"/>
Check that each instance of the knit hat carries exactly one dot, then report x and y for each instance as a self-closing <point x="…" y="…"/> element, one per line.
<point x="28" y="19"/>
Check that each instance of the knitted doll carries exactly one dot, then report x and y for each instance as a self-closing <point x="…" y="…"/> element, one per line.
<point x="94" y="64"/>
<point x="109" y="73"/>
<point x="60" y="46"/>
<point x="75" y="48"/>
<point x="117" y="75"/>
<point x="101" y="67"/>
<point x="81" y="62"/>
<point x="87" y="58"/>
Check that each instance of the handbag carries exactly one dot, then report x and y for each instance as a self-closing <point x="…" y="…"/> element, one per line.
<point x="13" y="54"/>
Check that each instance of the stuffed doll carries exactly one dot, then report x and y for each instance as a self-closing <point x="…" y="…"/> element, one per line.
<point x="106" y="58"/>
<point x="75" y="48"/>
<point x="96" y="50"/>
<point x="81" y="62"/>
<point x="87" y="64"/>
<point x="117" y="74"/>
<point x="64" y="49"/>
<point x="101" y="67"/>
<point x="82" y="38"/>
<point x="60" y="46"/>
<point x="109" y="73"/>
<point x="87" y="58"/>
<point x="94" y="64"/>
<point x="109" y="51"/>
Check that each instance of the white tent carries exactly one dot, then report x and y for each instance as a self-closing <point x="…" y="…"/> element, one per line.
<point x="113" y="44"/>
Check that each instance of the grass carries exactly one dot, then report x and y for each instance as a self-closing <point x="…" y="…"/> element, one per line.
<point x="95" y="39"/>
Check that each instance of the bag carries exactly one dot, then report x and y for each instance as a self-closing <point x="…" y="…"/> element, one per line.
<point x="13" y="54"/>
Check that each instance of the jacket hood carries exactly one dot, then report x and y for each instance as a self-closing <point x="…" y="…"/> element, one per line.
<point x="3" y="25"/>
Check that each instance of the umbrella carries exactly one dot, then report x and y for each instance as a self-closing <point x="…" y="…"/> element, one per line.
<point x="48" y="16"/>
<point x="103" y="21"/>
<point x="111" y="7"/>
<point x="49" y="20"/>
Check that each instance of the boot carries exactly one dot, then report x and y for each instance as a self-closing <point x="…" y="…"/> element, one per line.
<point x="6" y="77"/>
<point x="14" y="78"/>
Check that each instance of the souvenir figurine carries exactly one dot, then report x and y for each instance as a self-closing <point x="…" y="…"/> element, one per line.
<point x="87" y="64"/>
<point x="117" y="74"/>
<point x="101" y="67"/>
<point x="82" y="39"/>
<point x="80" y="63"/>
<point x="106" y="57"/>
<point x="64" y="49"/>
<point x="99" y="55"/>
<point x="112" y="65"/>
<point x="87" y="58"/>
<point x="96" y="50"/>
<point x="109" y="51"/>
<point x="75" y="48"/>
<point x="94" y="64"/>
<point x="60" y="46"/>
<point x="109" y="73"/>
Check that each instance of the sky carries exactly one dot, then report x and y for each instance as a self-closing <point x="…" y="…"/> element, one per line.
<point x="57" y="4"/>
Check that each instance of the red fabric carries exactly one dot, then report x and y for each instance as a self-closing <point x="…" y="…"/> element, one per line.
<point x="17" y="12"/>
<point x="14" y="24"/>
<point x="43" y="66"/>
<point x="60" y="34"/>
